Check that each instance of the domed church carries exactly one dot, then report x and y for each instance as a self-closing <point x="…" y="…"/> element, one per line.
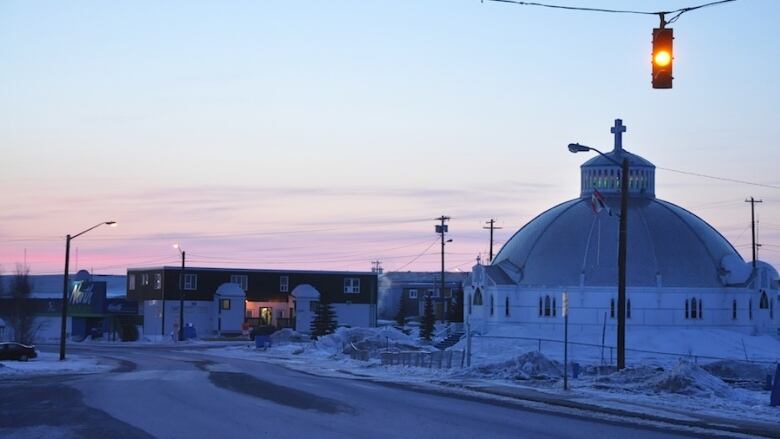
<point x="681" y="272"/>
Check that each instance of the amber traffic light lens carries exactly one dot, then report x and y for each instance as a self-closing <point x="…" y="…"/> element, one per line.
<point x="662" y="58"/>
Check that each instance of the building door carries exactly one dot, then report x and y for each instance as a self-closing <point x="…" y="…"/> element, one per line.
<point x="266" y="315"/>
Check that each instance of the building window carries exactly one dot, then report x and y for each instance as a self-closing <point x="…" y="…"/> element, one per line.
<point x="284" y="284"/>
<point x="241" y="279"/>
<point x="224" y="304"/>
<point x="540" y="307"/>
<point x="190" y="281"/>
<point x="412" y="294"/>
<point x="701" y="307"/>
<point x="612" y="309"/>
<point x="628" y="308"/>
<point x="554" y="307"/>
<point x="763" y="302"/>
<point x="694" y="314"/>
<point x="547" y="310"/>
<point x="478" y="297"/>
<point x="492" y="305"/>
<point x="734" y="309"/>
<point x="506" y="307"/>
<point x="157" y="281"/>
<point x="145" y="279"/>
<point x="351" y="285"/>
<point x="750" y="309"/>
<point x="131" y="282"/>
<point x="686" y="309"/>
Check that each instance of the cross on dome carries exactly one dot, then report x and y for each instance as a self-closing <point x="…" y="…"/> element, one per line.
<point x="618" y="131"/>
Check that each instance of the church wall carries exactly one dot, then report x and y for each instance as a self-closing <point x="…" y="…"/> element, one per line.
<point x="654" y="307"/>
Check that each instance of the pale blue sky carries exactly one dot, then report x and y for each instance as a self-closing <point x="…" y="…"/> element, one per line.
<point x="347" y="125"/>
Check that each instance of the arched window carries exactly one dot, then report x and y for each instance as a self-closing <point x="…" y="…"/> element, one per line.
<point x="701" y="306"/>
<point x="628" y="308"/>
<point x="693" y="308"/>
<point x="540" y="306"/>
<point x="492" y="305"/>
<point x="734" y="309"/>
<point x="763" y="302"/>
<point x="547" y="311"/>
<point x="750" y="309"/>
<point x="478" y="297"/>
<point x="686" y="309"/>
<point x="612" y="308"/>
<point x="554" y="307"/>
<point x="506" y="306"/>
<point x="469" y="302"/>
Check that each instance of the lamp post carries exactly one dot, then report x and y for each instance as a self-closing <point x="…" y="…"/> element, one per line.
<point x="622" y="237"/>
<point x="64" y="322"/>
<point x="181" y="292"/>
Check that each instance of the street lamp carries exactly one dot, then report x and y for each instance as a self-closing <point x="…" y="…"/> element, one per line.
<point x="181" y="292"/>
<point x="621" y="325"/>
<point x="63" y="323"/>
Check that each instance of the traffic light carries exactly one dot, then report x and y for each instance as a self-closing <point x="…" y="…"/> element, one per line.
<point x="663" y="57"/>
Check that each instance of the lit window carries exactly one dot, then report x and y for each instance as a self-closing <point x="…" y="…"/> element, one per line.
<point x="241" y="279"/>
<point x="412" y="294"/>
<point x="145" y="279"/>
<point x="190" y="281"/>
<point x="351" y="285"/>
<point x="131" y="282"/>
<point x="224" y="304"/>
<point x="284" y="284"/>
<point x="157" y="281"/>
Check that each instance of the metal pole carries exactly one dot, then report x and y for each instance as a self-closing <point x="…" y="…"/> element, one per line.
<point x="63" y="323"/>
<point x="181" y="299"/>
<point x="162" y="320"/>
<point x="621" y="330"/>
<point x="565" y="342"/>
<point x="441" y="293"/>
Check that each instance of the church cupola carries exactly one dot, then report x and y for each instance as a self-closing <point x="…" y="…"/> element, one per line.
<point x="602" y="173"/>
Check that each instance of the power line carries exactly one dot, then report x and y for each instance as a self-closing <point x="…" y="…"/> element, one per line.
<point x="676" y="13"/>
<point x="418" y="256"/>
<point x="730" y="180"/>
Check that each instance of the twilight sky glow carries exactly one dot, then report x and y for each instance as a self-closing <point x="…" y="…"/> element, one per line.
<point x="324" y="134"/>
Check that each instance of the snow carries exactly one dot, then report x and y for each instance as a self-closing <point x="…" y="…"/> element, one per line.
<point x="675" y="379"/>
<point x="48" y="363"/>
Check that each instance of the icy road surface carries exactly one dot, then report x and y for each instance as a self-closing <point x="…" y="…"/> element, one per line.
<point x="167" y="393"/>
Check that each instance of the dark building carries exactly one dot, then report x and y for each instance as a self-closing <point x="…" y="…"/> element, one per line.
<point x="225" y="300"/>
<point x="409" y="289"/>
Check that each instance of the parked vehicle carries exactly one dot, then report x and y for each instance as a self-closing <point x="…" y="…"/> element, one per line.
<point x="17" y="351"/>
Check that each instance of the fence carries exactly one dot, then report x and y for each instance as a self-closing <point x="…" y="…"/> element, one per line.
<point x="431" y="360"/>
<point x="606" y="354"/>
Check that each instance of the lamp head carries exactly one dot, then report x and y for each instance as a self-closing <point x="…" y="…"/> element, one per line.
<point x="576" y="147"/>
<point x="449" y="240"/>
<point x="111" y="223"/>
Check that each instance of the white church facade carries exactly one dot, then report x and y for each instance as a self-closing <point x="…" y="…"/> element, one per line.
<point x="681" y="272"/>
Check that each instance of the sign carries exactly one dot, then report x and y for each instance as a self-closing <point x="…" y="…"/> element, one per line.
<point x="87" y="298"/>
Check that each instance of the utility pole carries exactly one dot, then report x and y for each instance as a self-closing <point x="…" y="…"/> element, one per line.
<point x="492" y="227"/>
<point x="753" y="202"/>
<point x="441" y="229"/>
<point x="376" y="267"/>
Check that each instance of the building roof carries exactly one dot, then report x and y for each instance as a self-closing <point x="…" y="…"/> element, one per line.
<point x="424" y="277"/>
<point x="570" y="244"/>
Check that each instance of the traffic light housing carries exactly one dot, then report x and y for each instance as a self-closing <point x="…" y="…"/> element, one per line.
<point x="663" y="57"/>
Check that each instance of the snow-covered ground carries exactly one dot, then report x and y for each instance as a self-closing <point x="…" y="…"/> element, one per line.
<point x="689" y="382"/>
<point x="48" y="363"/>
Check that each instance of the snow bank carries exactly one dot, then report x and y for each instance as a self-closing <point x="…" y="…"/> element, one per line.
<point x="684" y="378"/>
<point x="373" y="340"/>
<point x="287" y="335"/>
<point x="528" y="366"/>
<point x="741" y="373"/>
<point x="48" y="363"/>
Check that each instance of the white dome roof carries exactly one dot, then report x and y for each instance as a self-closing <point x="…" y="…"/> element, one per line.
<point x="305" y="291"/>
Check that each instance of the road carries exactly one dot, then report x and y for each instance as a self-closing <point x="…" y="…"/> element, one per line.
<point x="169" y="393"/>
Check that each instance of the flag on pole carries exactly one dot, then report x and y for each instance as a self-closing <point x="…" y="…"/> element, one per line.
<point x="599" y="203"/>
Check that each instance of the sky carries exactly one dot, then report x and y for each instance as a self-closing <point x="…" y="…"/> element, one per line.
<point x="328" y="134"/>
